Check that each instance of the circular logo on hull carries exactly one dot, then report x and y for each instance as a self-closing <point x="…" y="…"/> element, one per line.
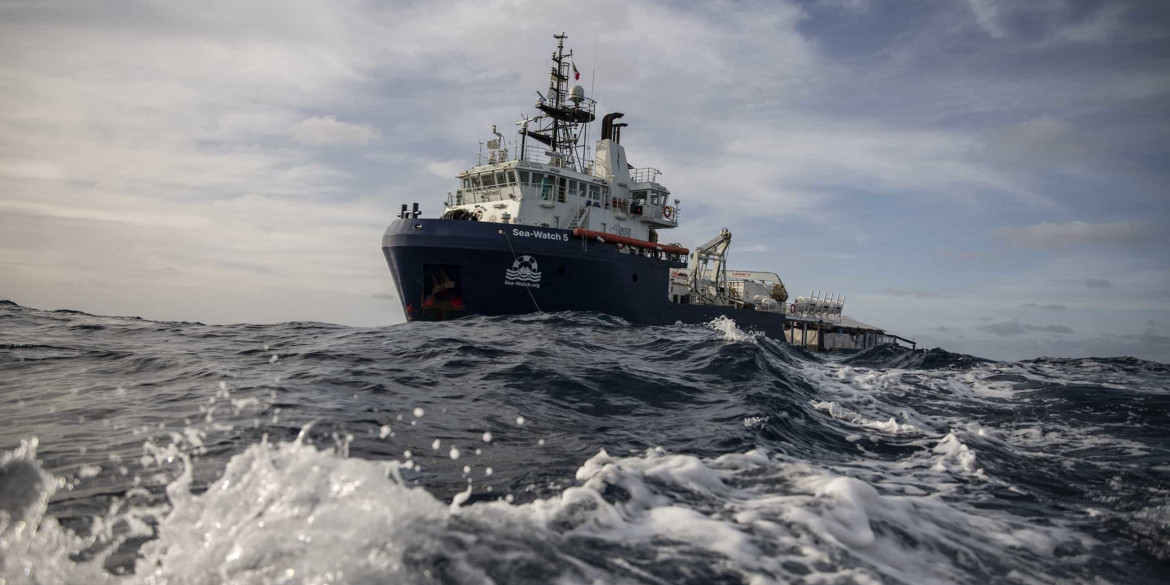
<point x="524" y="272"/>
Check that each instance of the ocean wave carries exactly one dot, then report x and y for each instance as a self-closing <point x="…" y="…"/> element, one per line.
<point x="291" y="511"/>
<point x="567" y="447"/>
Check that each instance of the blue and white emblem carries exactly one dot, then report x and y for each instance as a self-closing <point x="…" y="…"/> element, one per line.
<point x="524" y="272"/>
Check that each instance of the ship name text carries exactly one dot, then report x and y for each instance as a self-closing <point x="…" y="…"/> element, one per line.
<point x="539" y="234"/>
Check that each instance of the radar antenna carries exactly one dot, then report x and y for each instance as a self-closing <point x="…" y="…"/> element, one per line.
<point x="565" y="115"/>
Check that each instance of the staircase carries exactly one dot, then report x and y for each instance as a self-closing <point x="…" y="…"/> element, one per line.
<point x="581" y="218"/>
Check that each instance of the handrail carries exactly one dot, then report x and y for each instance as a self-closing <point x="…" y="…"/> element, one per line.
<point x="644" y="175"/>
<point x="511" y="191"/>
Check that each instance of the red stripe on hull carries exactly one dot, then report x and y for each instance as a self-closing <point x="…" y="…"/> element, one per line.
<point x="583" y="233"/>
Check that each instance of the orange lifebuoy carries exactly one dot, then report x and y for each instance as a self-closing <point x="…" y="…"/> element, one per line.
<point x="667" y="211"/>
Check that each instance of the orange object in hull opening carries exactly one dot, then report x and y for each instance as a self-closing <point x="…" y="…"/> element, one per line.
<point x="616" y="239"/>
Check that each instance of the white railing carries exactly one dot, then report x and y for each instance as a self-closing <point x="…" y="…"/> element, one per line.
<point x="644" y="175"/>
<point x="658" y="213"/>
<point x="539" y="153"/>
<point x="483" y="195"/>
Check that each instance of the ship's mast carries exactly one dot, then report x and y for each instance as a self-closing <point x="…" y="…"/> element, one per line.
<point x="556" y="86"/>
<point x="566" y="114"/>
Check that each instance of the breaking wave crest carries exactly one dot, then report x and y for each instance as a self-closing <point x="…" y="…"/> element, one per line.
<point x="565" y="448"/>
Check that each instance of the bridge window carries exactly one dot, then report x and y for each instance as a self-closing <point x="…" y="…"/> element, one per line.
<point x="524" y="177"/>
<point x="545" y="186"/>
<point x="487" y="180"/>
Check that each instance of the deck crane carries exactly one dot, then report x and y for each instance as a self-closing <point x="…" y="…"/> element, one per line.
<point x="709" y="285"/>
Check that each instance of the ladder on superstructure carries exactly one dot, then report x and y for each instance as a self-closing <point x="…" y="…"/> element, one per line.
<point x="581" y="213"/>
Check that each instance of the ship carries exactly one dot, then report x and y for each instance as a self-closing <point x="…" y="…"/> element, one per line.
<point x="544" y="223"/>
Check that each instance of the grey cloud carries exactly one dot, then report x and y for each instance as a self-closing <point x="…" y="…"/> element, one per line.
<point x="1086" y="282"/>
<point x="1049" y="328"/>
<point x="328" y="130"/>
<point x="1048" y="307"/>
<point x="918" y="294"/>
<point x="1148" y="338"/>
<point x="1067" y="23"/>
<point x="965" y="255"/>
<point x="384" y="296"/>
<point x="986" y="13"/>
<point x="1112" y="22"/>
<point x="246" y="266"/>
<point x="1052" y="236"/>
<point x="1006" y="328"/>
<point x="1013" y="348"/>
<point x="1039" y="141"/>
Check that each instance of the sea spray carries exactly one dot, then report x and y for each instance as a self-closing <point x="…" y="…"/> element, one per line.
<point x="179" y="453"/>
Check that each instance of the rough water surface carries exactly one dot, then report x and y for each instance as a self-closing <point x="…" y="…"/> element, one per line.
<point x="565" y="448"/>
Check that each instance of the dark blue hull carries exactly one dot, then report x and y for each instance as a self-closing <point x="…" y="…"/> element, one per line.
<point x="446" y="269"/>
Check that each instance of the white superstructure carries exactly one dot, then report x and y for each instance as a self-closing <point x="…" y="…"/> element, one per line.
<point x="550" y="180"/>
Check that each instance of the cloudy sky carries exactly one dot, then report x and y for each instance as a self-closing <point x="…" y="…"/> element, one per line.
<point x="987" y="176"/>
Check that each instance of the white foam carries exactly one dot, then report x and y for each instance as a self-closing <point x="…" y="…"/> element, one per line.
<point x="292" y="513"/>
<point x="954" y="456"/>
<point x="891" y="426"/>
<point x="731" y="331"/>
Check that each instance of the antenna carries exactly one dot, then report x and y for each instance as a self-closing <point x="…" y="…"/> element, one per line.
<point x="593" y="76"/>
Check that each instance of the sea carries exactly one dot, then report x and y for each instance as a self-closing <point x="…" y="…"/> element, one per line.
<point x="568" y="448"/>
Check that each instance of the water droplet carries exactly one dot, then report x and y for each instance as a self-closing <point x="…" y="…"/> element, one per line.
<point x="418" y="412"/>
<point x="435" y="445"/>
<point x="487" y="437"/>
<point x="520" y="420"/>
